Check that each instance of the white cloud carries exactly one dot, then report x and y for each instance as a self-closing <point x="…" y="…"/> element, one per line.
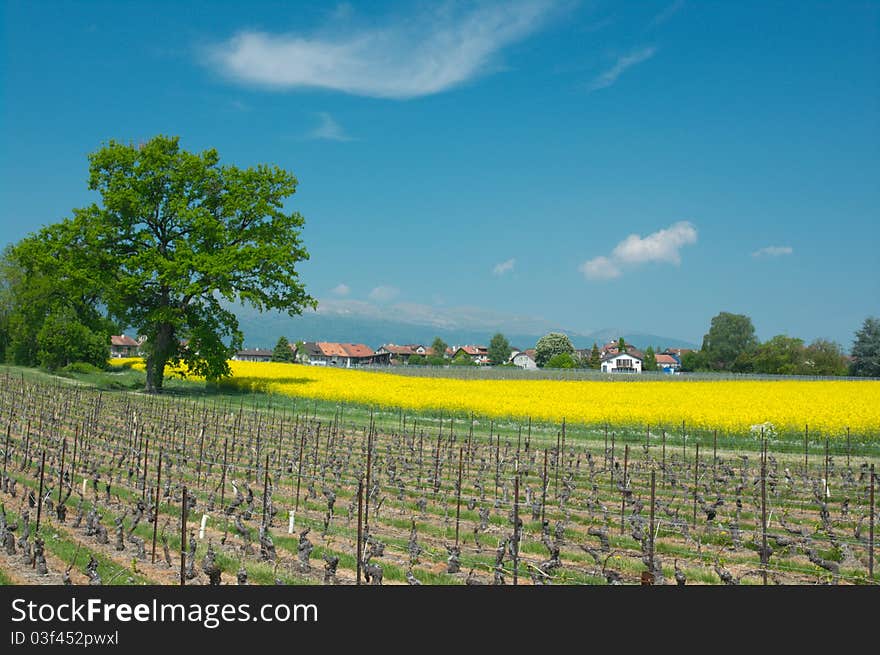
<point x="383" y="293"/>
<point x="504" y="267"/>
<point x="610" y="76"/>
<point x="773" y="251"/>
<point x="668" y="12"/>
<point x="340" y="289"/>
<point x="328" y="129"/>
<point x="662" y="246"/>
<point x="600" y="268"/>
<point x="436" y="50"/>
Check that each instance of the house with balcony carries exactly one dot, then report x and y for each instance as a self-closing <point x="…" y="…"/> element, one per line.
<point x="627" y="362"/>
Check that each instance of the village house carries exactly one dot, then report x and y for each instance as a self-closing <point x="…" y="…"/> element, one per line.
<point x="344" y="355"/>
<point x="398" y="354"/>
<point x="253" y="355"/>
<point x="677" y="353"/>
<point x="122" y="345"/>
<point x="613" y="348"/>
<point x="667" y="363"/>
<point x="480" y="354"/>
<point x="628" y="362"/>
<point x="524" y="358"/>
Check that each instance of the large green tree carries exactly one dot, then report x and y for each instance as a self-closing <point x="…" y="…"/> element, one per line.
<point x="176" y="235"/>
<point x="866" y="349"/>
<point x="595" y="357"/>
<point x="499" y="350"/>
<point x="729" y="336"/>
<point x="551" y="344"/>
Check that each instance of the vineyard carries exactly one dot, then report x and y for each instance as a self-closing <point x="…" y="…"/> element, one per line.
<point x="117" y="487"/>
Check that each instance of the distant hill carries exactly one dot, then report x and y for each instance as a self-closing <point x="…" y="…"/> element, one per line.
<point x="263" y="330"/>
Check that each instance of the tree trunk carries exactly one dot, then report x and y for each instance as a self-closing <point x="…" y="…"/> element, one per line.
<point x="159" y="353"/>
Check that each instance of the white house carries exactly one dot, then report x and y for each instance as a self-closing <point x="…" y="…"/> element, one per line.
<point x="629" y="362"/>
<point x="524" y="359"/>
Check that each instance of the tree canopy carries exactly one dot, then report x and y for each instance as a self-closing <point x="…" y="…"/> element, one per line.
<point x="283" y="352"/>
<point x="729" y="336"/>
<point x="551" y="344"/>
<point x="595" y="357"/>
<point x="694" y="360"/>
<point x="781" y="355"/>
<point x="499" y="350"/>
<point x="49" y="312"/>
<point x="823" y="357"/>
<point x="866" y="349"/>
<point x="650" y="361"/>
<point x="176" y="235"/>
<point x="439" y="347"/>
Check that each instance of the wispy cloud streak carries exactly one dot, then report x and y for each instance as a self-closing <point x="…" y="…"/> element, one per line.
<point x="328" y="129"/>
<point x="773" y="251"/>
<point x="622" y="64"/>
<point x="408" y="57"/>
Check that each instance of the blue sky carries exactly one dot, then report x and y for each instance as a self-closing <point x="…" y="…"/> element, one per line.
<point x="641" y="165"/>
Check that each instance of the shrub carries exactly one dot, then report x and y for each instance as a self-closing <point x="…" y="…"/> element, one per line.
<point x="81" y="367"/>
<point x="561" y="360"/>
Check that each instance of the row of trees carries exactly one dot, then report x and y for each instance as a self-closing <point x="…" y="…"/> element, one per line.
<point x="732" y="345"/>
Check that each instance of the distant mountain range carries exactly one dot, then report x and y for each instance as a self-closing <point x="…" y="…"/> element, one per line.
<point x="263" y="331"/>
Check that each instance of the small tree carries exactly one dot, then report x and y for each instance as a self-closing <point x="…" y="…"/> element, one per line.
<point x="866" y="349"/>
<point x="283" y="352"/>
<point x="595" y="358"/>
<point x="621" y="345"/>
<point x="416" y="360"/>
<point x="463" y="359"/>
<point x="561" y="360"/>
<point x="650" y="361"/>
<point x="439" y="347"/>
<point x="551" y="344"/>
<point x="499" y="350"/>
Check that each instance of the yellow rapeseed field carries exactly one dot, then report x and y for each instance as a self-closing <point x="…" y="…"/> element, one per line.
<point x="733" y="405"/>
<point x="828" y="407"/>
